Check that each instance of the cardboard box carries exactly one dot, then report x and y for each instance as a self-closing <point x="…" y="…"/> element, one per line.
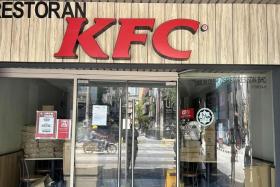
<point x="210" y="153"/>
<point x="258" y="176"/>
<point x="48" y="108"/>
<point x="191" y="143"/>
<point x="272" y="177"/>
<point x="66" y="157"/>
<point x="209" y="139"/>
<point x="190" y="149"/>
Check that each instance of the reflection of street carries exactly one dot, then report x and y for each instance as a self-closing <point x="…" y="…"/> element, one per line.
<point x="224" y="163"/>
<point x="151" y="154"/>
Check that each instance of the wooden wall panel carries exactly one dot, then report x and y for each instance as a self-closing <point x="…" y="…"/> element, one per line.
<point x="241" y="34"/>
<point x="273" y="26"/>
<point x="5" y="39"/>
<point x="155" y="11"/>
<point x="91" y="14"/>
<point x="123" y="10"/>
<point x="258" y="34"/>
<point x="78" y="51"/>
<point x="237" y="34"/>
<point x="207" y="40"/>
<point x="54" y="36"/>
<point x="173" y="11"/>
<point x="37" y="38"/>
<point x="106" y="39"/>
<point x="139" y="53"/>
<point x="224" y="40"/>
<point x="9" y="169"/>
<point x="20" y="38"/>
<point x="190" y="41"/>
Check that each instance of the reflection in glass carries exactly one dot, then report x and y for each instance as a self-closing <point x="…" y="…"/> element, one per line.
<point x="236" y="146"/>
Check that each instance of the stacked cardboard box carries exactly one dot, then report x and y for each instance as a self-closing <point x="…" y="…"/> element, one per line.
<point x="190" y="151"/>
<point x="39" y="148"/>
<point x="209" y="143"/>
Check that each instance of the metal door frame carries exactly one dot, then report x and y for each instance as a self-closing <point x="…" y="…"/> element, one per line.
<point x="107" y="75"/>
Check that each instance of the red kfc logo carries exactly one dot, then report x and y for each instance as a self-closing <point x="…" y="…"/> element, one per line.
<point x="75" y="35"/>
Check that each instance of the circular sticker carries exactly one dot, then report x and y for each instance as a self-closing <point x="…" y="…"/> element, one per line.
<point x="205" y="117"/>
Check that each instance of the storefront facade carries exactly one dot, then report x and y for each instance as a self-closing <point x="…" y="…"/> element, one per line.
<point x="192" y="55"/>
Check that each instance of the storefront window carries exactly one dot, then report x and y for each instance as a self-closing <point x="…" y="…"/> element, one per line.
<point x="226" y="129"/>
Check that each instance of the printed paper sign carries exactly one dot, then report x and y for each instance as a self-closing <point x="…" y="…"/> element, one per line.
<point x="46" y="125"/>
<point x="99" y="115"/>
<point x="63" y="129"/>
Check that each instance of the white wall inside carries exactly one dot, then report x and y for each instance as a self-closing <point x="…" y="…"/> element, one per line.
<point x="19" y="101"/>
<point x="261" y="120"/>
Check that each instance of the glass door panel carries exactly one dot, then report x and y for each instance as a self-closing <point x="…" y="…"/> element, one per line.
<point x="151" y="158"/>
<point x="100" y="107"/>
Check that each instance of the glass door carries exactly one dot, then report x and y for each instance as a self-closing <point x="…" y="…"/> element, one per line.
<point x="126" y="134"/>
<point x="151" y="136"/>
<point x="101" y="108"/>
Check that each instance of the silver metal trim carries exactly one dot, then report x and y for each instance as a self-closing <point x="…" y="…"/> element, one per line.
<point x="177" y="140"/>
<point x="73" y="138"/>
<point x="120" y="144"/>
<point x="132" y="151"/>
<point x="126" y="134"/>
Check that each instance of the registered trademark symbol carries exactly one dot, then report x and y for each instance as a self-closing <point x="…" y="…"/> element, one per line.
<point x="204" y="27"/>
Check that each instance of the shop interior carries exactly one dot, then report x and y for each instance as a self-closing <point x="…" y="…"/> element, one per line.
<point x="23" y="157"/>
<point x="233" y="149"/>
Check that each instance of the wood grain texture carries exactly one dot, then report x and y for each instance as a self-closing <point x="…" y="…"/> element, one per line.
<point x="173" y="11"/>
<point x="9" y="169"/>
<point x="20" y="39"/>
<point x="241" y="34"/>
<point x="5" y="39"/>
<point x="207" y="40"/>
<point x="91" y="14"/>
<point x="139" y="53"/>
<point x="258" y="34"/>
<point x="106" y="39"/>
<point x="54" y="36"/>
<point x="123" y="10"/>
<point x="224" y="36"/>
<point x="155" y="11"/>
<point x="37" y="38"/>
<point x="78" y="51"/>
<point x="273" y="28"/>
<point x="190" y="41"/>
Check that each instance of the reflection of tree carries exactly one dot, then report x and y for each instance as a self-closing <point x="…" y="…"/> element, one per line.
<point x="142" y="120"/>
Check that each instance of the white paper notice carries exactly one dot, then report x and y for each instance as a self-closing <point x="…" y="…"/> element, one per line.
<point x="46" y="125"/>
<point x="99" y="115"/>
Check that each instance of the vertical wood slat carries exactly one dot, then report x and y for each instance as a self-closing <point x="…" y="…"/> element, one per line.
<point x="123" y="10"/>
<point x="91" y="14"/>
<point x="37" y="38"/>
<point x="173" y="11"/>
<point x="224" y="40"/>
<point x="190" y="41"/>
<point x="273" y="26"/>
<point x="5" y="39"/>
<point x="155" y="11"/>
<point x="207" y="40"/>
<point x="241" y="34"/>
<point x="19" y="45"/>
<point x="54" y="36"/>
<point x="258" y="34"/>
<point x="106" y="10"/>
<point x="78" y="50"/>
<point x="139" y="53"/>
